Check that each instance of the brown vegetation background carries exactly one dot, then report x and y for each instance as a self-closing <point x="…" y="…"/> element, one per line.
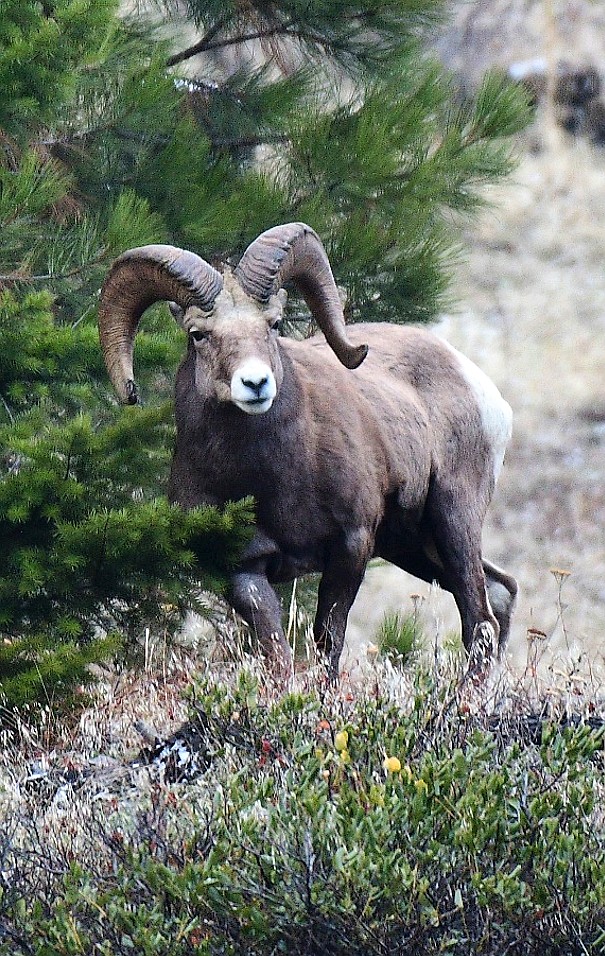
<point x="530" y="311"/>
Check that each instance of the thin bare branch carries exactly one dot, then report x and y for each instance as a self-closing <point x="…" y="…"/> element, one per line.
<point x="206" y="44"/>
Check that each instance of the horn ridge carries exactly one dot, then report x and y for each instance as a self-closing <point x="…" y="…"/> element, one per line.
<point x="191" y="273"/>
<point x="259" y="270"/>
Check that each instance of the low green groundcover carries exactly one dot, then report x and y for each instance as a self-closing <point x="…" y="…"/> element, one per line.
<point x="371" y="825"/>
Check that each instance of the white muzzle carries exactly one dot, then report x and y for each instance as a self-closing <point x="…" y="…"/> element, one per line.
<point x="253" y="387"/>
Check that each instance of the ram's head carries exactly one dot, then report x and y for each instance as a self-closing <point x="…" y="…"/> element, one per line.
<point x="232" y="320"/>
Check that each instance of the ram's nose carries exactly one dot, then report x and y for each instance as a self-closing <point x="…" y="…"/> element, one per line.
<point x="257" y="386"/>
<point x="253" y="387"/>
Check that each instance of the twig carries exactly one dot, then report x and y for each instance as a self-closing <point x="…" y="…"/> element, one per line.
<point x="203" y="46"/>
<point x="285" y="29"/>
<point x="197" y="47"/>
<point x="17" y="277"/>
<point x="8" y="410"/>
<point x="247" y="142"/>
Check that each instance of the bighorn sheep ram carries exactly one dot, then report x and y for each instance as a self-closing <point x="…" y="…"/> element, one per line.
<point x="396" y="457"/>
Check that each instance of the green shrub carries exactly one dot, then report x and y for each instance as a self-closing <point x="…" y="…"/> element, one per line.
<point x="92" y="553"/>
<point x="297" y="838"/>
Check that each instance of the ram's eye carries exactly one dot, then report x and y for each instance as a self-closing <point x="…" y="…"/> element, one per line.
<point x="197" y="335"/>
<point x="276" y="325"/>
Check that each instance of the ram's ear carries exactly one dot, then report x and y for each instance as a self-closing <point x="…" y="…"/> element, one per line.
<point x="274" y="310"/>
<point x="177" y="313"/>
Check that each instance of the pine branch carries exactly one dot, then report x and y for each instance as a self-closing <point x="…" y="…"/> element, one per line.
<point x="69" y="459"/>
<point x="209" y="43"/>
<point x="21" y="278"/>
<point x="7" y="408"/>
<point x="247" y="142"/>
<point x="288" y="29"/>
<point x="198" y="47"/>
<point x="84" y="136"/>
<point x="101" y="553"/>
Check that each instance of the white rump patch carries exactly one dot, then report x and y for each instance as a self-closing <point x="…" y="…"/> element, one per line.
<point x="253" y="387"/>
<point x="496" y="413"/>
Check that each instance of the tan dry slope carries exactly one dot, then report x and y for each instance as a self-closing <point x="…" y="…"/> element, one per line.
<point x="531" y="312"/>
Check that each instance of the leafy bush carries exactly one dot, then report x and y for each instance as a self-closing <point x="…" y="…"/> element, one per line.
<point x="355" y="826"/>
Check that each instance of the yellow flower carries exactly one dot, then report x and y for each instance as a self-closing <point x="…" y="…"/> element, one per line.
<point x="392" y="764"/>
<point x="345" y="756"/>
<point x="421" y="786"/>
<point x="341" y="740"/>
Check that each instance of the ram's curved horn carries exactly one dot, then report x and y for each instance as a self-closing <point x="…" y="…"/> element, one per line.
<point x="295" y="251"/>
<point x="137" y="279"/>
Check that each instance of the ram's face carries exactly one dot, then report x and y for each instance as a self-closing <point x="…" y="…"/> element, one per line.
<point x="236" y="350"/>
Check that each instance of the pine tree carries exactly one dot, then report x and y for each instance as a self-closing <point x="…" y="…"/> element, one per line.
<point x="110" y="139"/>
<point x="91" y="551"/>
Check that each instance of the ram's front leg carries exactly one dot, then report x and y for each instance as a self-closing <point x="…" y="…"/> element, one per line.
<point x="254" y="599"/>
<point x="340" y="582"/>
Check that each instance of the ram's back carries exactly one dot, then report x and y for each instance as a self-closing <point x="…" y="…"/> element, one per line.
<point x="421" y="406"/>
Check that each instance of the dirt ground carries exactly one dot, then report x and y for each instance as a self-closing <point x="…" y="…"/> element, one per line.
<point x="531" y="313"/>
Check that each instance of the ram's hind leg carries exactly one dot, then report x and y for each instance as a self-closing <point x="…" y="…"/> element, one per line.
<point x="456" y="525"/>
<point x="502" y="591"/>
